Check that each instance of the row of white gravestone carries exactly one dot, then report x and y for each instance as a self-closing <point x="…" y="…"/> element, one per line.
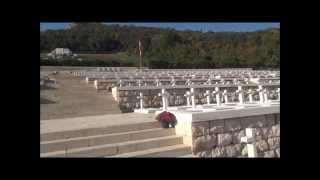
<point x="173" y="82"/>
<point x="192" y="74"/>
<point x="263" y="96"/>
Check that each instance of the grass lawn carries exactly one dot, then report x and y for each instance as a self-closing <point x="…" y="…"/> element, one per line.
<point x="114" y="56"/>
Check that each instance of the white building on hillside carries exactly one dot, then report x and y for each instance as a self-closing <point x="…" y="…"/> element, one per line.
<point x="60" y="52"/>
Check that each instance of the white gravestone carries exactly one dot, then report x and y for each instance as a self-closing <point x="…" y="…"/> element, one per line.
<point x="173" y="82"/>
<point x="209" y="82"/>
<point x="192" y="93"/>
<point x="265" y="95"/>
<point x="140" y="97"/>
<point x="240" y="93"/>
<point x="260" y="90"/>
<point x="187" y="95"/>
<point x="249" y="139"/>
<point x="216" y="93"/>
<point x="165" y="96"/>
<point x="120" y="83"/>
<point x="188" y="82"/>
<point x="250" y="93"/>
<point x="207" y="94"/>
<point x="225" y="96"/>
<point x="278" y="91"/>
<point x="139" y="83"/>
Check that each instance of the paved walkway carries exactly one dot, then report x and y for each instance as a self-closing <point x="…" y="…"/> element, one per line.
<point x="94" y="121"/>
<point x="74" y="98"/>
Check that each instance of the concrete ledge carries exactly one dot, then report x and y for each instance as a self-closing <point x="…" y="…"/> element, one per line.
<point x="235" y="113"/>
<point x="226" y="114"/>
<point x="146" y="111"/>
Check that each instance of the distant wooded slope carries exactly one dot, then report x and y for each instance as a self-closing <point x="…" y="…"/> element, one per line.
<point x="168" y="48"/>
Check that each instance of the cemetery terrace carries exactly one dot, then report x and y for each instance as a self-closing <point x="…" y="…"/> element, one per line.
<point x="220" y="112"/>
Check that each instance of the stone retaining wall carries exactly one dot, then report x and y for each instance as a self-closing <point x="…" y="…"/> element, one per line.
<point x="221" y="138"/>
<point x="127" y="99"/>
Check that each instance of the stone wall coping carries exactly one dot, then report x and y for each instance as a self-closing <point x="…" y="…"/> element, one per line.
<point x="193" y="86"/>
<point x="227" y="114"/>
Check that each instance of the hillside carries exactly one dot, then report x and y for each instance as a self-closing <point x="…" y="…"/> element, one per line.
<point x="168" y="48"/>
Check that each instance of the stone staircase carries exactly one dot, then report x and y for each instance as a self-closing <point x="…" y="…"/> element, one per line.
<point x="145" y="139"/>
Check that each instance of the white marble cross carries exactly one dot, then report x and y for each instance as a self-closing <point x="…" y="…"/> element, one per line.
<point x="250" y="93"/>
<point x="249" y="139"/>
<point x="188" y="82"/>
<point x="192" y="98"/>
<point x="278" y="91"/>
<point x="157" y="82"/>
<point x="216" y="93"/>
<point x="240" y="92"/>
<point x="265" y="94"/>
<point x="209" y="81"/>
<point x="165" y="96"/>
<point x="261" y="98"/>
<point x="140" y="97"/>
<point x="173" y="82"/>
<point x="139" y="83"/>
<point x="207" y="94"/>
<point x="225" y="96"/>
<point x="188" y="97"/>
<point x="120" y="83"/>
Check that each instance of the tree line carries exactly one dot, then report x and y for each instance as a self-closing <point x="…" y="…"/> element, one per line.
<point x="169" y="48"/>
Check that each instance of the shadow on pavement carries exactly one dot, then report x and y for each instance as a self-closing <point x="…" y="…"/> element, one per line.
<point x="46" y="101"/>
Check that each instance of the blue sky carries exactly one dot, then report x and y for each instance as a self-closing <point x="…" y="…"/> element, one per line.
<point x="185" y="26"/>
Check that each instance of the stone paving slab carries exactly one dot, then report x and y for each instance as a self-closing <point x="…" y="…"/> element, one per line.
<point x="72" y="97"/>
<point x="66" y="124"/>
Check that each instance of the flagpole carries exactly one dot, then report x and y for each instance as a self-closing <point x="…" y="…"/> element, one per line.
<point x="140" y="51"/>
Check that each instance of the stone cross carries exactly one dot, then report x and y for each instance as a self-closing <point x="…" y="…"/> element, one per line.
<point x="209" y="81"/>
<point x="188" y="82"/>
<point x="240" y="92"/>
<point x="192" y="98"/>
<point x="165" y="96"/>
<point x="260" y="90"/>
<point x="188" y="97"/>
<point x="278" y="91"/>
<point x="139" y="83"/>
<point x="225" y="95"/>
<point x="217" y="92"/>
<point x="265" y="94"/>
<point x="250" y="92"/>
<point x="173" y="82"/>
<point x="235" y="81"/>
<point x="207" y="94"/>
<point x="120" y="83"/>
<point x="249" y="139"/>
<point x="140" y="97"/>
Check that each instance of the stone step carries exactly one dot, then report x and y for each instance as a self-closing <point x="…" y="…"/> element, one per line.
<point x="65" y="144"/>
<point x="188" y="156"/>
<point x="168" y="151"/>
<point x="117" y="148"/>
<point x="97" y="131"/>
